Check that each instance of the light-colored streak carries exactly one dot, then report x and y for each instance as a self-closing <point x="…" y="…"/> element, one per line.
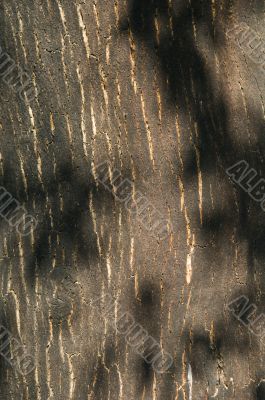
<point x="22" y="266"/>
<point x="17" y="312"/>
<point x="69" y="130"/>
<point x="188" y="268"/>
<point x="97" y="22"/>
<point x="121" y="385"/>
<point x="23" y="173"/>
<point x="34" y="130"/>
<point x="72" y="378"/>
<point x="48" y="361"/>
<point x="132" y="61"/>
<point x="215" y="393"/>
<point x="84" y="31"/>
<point x="93" y="216"/>
<point x="62" y="15"/>
<point x="93" y="139"/>
<point x="35" y="335"/>
<point x="190" y="381"/>
<point x="148" y="131"/>
<point x="83" y="125"/>
<point x="64" y="65"/>
<point x="131" y="253"/>
<point x="61" y="342"/>
<point x="199" y="173"/>
<point x="154" y="389"/>
<point x="21" y="32"/>
<point x="108" y="262"/>
<point x="103" y="84"/>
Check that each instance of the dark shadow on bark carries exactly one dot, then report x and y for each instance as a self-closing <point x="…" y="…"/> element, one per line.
<point x="189" y="86"/>
<point x="261" y="391"/>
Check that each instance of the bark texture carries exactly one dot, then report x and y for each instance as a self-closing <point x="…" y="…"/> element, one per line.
<point x="157" y="89"/>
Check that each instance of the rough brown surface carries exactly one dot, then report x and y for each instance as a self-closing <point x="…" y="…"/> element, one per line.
<point x="158" y="90"/>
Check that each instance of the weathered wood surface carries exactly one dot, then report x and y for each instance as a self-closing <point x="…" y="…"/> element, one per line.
<point x="158" y="90"/>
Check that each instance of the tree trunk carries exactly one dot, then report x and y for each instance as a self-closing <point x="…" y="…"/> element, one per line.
<point x="165" y="95"/>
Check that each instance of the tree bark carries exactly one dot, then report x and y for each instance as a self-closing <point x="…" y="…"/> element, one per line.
<point x="160" y="92"/>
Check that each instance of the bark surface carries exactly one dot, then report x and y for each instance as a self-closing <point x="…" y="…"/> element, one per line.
<point x="160" y="91"/>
